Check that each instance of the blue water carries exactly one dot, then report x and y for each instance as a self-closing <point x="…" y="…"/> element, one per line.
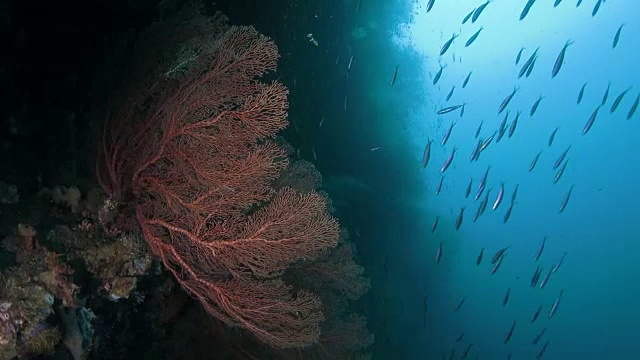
<point x="598" y="314"/>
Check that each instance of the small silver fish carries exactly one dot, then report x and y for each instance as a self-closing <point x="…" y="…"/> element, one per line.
<point x="468" y="191"/>
<point x="616" y="38"/>
<point x="478" y="11"/>
<point x="560" y="59"/>
<point x="552" y="136"/>
<point x="447" y="135"/>
<point x="556" y="304"/>
<point x="479" y="128"/>
<point x="565" y="200"/>
<point x="515" y="193"/>
<point x="534" y="108"/>
<point x="473" y="37"/>
<point x="540" y="250"/>
<point x="449" y="160"/>
<point x="560" y="172"/>
<point x="440" y="186"/>
<point x="450" y="93"/>
<point x="519" y="56"/>
<point x="447" y="44"/>
<point x="435" y="224"/>
<point x="558" y="162"/>
<point x="439" y="253"/>
<point x="618" y="100"/>
<point x="591" y="120"/>
<point x="507" y="100"/>
<point x="507" y="215"/>
<point x="633" y="108"/>
<point x="536" y="314"/>
<point x="514" y="124"/>
<point x="460" y="218"/>
<point x="498" y="200"/>
<point x="528" y="63"/>
<point x="466" y="80"/>
<point x="395" y="75"/>
<point x="534" y="161"/>
<point x="557" y="266"/>
<point x="438" y="75"/>
<point x="426" y="155"/>
<point x="581" y="93"/>
<point x="479" y="258"/>
<point x="506" y="297"/>
<point x="544" y="281"/>
<point x="449" y="109"/>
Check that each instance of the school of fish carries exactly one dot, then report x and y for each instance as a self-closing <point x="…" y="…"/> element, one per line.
<point x="508" y="125"/>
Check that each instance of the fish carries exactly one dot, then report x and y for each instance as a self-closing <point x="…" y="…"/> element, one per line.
<point x="462" y="110"/>
<point x="440" y="186"/>
<point x="460" y="304"/>
<point x="506" y="297"/>
<point x="430" y="5"/>
<point x="533" y="63"/>
<point x="512" y="128"/>
<point x="539" y="253"/>
<point x="473" y="37"/>
<point x="557" y="266"/>
<point x="541" y="353"/>
<point x="426" y="155"/>
<point x="468" y="191"/>
<point x="487" y="142"/>
<point x="475" y="155"/>
<point x="438" y="75"/>
<point x="536" y="314"/>
<point x="466" y="80"/>
<point x="466" y="351"/>
<point x="519" y="56"/>
<point x="561" y="158"/>
<point x="503" y="127"/>
<point x="447" y="135"/>
<point x="510" y="333"/>
<point x="515" y="193"/>
<point x="483" y="182"/>
<point x="479" y="258"/>
<point x="439" y="253"/>
<point x="478" y="11"/>
<point x="536" y="276"/>
<point x="507" y="215"/>
<point x="528" y="63"/>
<point x="606" y="94"/>
<point x="556" y="304"/>
<point x="565" y="201"/>
<point x="579" y="2"/>
<point x="536" y="340"/>
<point x="545" y="280"/>
<point x="526" y="9"/>
<point x="479" y="128"/>
<point x="435" y="224"/>
<point x="560" y="59"/>
<point x="552" y="136"/>
<point x="556" y="3"/>
<point x="534" y="161"/>
<point x="447" y="44"/>
<point x="375" y="148"/>
<point x="321" y="121"/>
<point x="558" y="175"/>
<point x="633" y="108"/>
<point x="468" y="16"/>
<point x="478" y="213"/>
<point x="618" y="100"/>
<point x="450" y="94"/>
<point x="449" y="109"/>
<point x="499" y="254"/>
<point x="506" y="100"/>
<point x="449" y="160"/>
<point x="485" y="201"/>
<point x="581" y="93"/>
<point x="395" y="75"/>
<point x="616" y="38"/>
<point x="460" y="217"/>
<point x="496" y="266"/>
<point x="596" y="8"/>
<point x="535" y="105"/>
<point x="498" y="200"/>
<point x="459" y="338"/>
<point x="591" y="120"/>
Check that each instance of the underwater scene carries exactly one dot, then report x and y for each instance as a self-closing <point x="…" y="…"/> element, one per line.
<point x="345" y="179"/>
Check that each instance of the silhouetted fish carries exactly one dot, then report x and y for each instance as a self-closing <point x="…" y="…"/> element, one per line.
<point x="616" y="38"/>
<point x="534" y="108"/>
<point x="591" y="120"/>
<point x="526" y="9"/>
<point x="510" y="333"/>
<point x="536" y="314"/>
<point x="534" y="161"/>
<point x="480" y="255"/>
<point x="581" y="93"/>
<point x="552" y="136"/>
<point x="560" y="59"/>
<point x="447" y="44"/>
<point x="565" y="201"/>
<point x="473" y="37"/>
<point x="466" y="80"/>
<point x="618" y="100"/>
<point x="633" y="108"/>
<point x="479" y="11"/>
